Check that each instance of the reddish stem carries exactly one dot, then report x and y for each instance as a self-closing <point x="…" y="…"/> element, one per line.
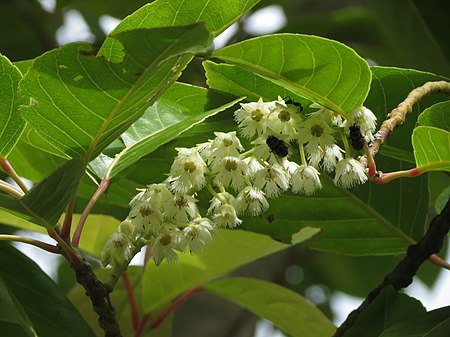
<point x="183" y="298"/>
<point x="131" y="300"/>
<point x="12" y="173"/>
<point x="67" y="225"/>
<point x="101" y="188"/>
<point x="141" y="325"/>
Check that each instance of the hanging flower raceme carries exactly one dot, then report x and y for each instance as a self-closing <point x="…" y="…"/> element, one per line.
<point x="287" y="150"/>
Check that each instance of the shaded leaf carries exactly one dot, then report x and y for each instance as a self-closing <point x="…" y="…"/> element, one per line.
<point x="412" y="43"/>
<point x="71" y="87"/>
<point x="432" y="147"/>
<point x="229" y="250"/>
<point x="45" y="203"/>
<point x="389" y="308"/>
<point x="11" y="311"/>
<point x="12" y="125"/>
<point x="288" y="311"/>
<point x="320" y="70"/>
<point x="420" y="326"/>
<point x="50" y="312"/>
<point x="181" y="107"/>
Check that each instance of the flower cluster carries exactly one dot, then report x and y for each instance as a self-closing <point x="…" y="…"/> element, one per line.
<point x="166" y="215"/>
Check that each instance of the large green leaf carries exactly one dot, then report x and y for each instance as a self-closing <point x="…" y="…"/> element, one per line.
<point x="50" y="312"/>
<point x="318" y="69"/>
<point x="431" y="140"/>
<point x="289" y="311"/>
<point x="11" y="124"/>
<point x="181" y="107"/>
<point x="81" y="103"/>
<point x="389" y="308"/>
<point x="46" y="201"/>
<point x="432" y="148"/>
<point x="411" y="42"/>
<point x="12" y="312"/>
<point x="424" y="325"/>
<point x="216" y="14"/>
<point x="229" y="250"/>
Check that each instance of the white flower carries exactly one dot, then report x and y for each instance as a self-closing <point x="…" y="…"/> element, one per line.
<point x="317" y="135"/>
<point x="328" y="115"/>
<point x="220" y="199"/>
<point x="251" y="117"/>
<point x="333" y="154"/>
<point x="145" y="217"/>
<point x="349" y="172"/>
<point x="181" y="209"/>
<point x="253" y="165"/>
<point x="251" y="199"/>
<point x="117" y="250"/>
<point x="198" y="234"/>
<point x="225" y="216"/>
<point x="170" y="238"/>
<point x="284" y="120"/>
<point x="273" y="180"/>
<point x="225" y="144"/>
<point x="230" y="171"/>
<point x="305" y="180"/>
<point x="261" y="151"/>
<point x="187" y="171"/>
<point x="366" y="120"/>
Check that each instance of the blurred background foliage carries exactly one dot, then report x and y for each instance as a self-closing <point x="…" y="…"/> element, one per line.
<point x="401" y="33"/>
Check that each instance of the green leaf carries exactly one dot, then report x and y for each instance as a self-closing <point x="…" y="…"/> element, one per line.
<point x="83" y="103"/>
<point x="409" y="38"/>
<point x="181" y="107"/>
<point x="431" y="140"/>
<point x="436" y="115"/>
<point x="217" y="15"/>
<point x="320" y="70"/>
<point x="46" y="201"/>
<point x="389" y="308"/>
<point x="229" y="250"/>
<point x="289" y="311"/>
<point x="11" y="311"/>
<point x="50" y="312"/>
<point x="431" y="148"/>
<point x="424" y="325"/>
<point x="12" y="125"/>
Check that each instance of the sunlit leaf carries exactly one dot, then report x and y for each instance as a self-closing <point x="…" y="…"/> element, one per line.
<point x="320" y="70"/>
<point x="229" y="250"/>
<point x="81" y="103"/>
<point x="216" y="14"/>
<point x="180" y="108"/>
<point x="436" y="115"/>
<point x="432" y="147"/>
<point x="288" y="311"/>
<point x="11" y="124"/>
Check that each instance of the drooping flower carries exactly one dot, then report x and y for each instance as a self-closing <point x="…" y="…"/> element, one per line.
<point x="273" y="180"/>
<point x="230" y="171"/>
<point x="305" y="180"/>
<point x="164" y="245"/>
<point x="284" y="120"/>
<point x="181" y="209"/>
<point x="349" y="172"/>
<point x="252" y="117"/>
<point x="198" y="234"/>
<point x="187" y="171"/>
<point x="225" y="216"/>
<point x="225" y="144"/>
<point x="251" y="199"/>
<point x="366" y="121"/>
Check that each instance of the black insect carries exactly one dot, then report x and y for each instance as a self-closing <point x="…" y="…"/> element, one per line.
<point x="355" y="137"/>
<point x="277" y="146"/>
<point x="298" y="105"/>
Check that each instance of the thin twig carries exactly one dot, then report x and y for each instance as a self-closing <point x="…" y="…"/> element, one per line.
<point x="183" y="298"/>
<point x="11" y="190"/>
<point x="67" y="225"/>
<point x="403" y="273"/>
<point x="131" y="300"/>
<point x="45" y="246"/>
<point x="398" y="115"/>
<point x="100" y="190"/>
<point x="12" y="173"/>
